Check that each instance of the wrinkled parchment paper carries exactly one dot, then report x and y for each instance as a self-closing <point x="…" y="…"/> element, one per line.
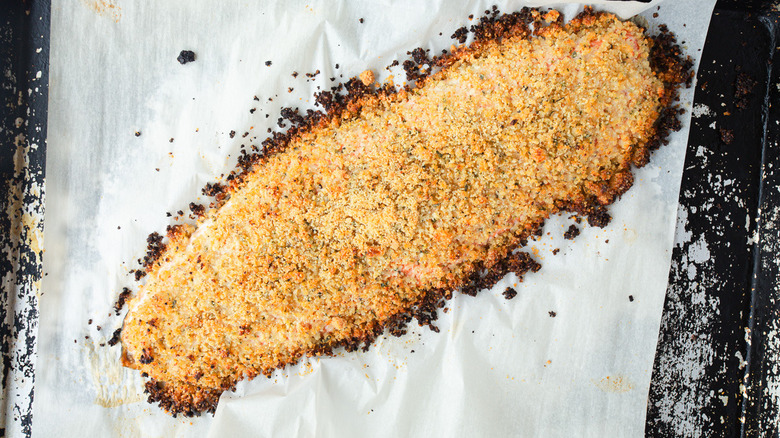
<point x="133" y="134"/>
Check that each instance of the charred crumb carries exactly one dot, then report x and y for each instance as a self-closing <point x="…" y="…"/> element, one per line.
<point x="599" y="217"/>
<point x="252" y="111"/>
<point x="631" y="298"/>
<point x="89" y="322"/>
<point x="120" y="302"/>
<point x="232" y="134"/>
<point x="519" y="263"/>
<point x="462" y="33"/>
<point x="154" y="247"/>
<point x="509" y="293"/>
<point x="213" y="189"/>
<point x="572" y="232"/>
<point x="419" y="66"/>
<point x="743" y="90"/>
<point x="137" y="133"/>
<point x="180" y="213"/>
<point x="313" y="75"/>
<point x="556" y="251"/>
<point x="175" y="403"/>
<point x="397" y="327"/>
<point x="360" y="20"/>
<point x="255" y="98"/>
<point x="292" y="114"/>
<point x="115" y="337"/>
<point x="295" y="74"/>
<point x="552" y="314"/>
<point x="99" y="328"/>
<point x="172" y="230"/>
<point x="171" y="140"/>
<point x="268" y="63"/>
<point x="197" y="209"/>
<point x="146" y="357"/>
<point x="726" y="135"/>
<point x="138" y="274"/>
<point x="186" y="56"/>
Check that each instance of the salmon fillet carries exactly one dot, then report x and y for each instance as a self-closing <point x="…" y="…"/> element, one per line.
<point x="379" y="209"/>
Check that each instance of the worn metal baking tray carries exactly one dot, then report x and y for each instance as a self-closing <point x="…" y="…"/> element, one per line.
<point x="716" y="371"/>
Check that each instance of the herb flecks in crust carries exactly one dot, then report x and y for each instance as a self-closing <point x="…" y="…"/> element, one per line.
<point x="358" y="220"/>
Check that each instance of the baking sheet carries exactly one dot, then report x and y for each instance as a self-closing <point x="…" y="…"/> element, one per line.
<point x="118" y="97"/>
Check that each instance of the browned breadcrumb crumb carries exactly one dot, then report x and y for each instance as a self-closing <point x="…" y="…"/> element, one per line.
<point x="367" y="77"/>
<point x="359" y="220"/>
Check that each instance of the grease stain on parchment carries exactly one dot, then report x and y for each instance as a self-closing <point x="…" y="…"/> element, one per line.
<point x="614" y="384"/>
<point x="104" y="8"/>
<point x="113" y="386"/>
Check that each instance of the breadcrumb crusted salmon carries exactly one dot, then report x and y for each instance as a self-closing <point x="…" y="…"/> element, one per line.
<point x="379" y="209"/>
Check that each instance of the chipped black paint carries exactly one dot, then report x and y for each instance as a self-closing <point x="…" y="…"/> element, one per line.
<point x="701" y="342"/>
<point x="705" y="351"/>
<point x="24" y="54"/>
<point x="762" y="379"/>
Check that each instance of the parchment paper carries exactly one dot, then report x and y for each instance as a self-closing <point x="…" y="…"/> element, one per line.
<point x="571" y="355"/>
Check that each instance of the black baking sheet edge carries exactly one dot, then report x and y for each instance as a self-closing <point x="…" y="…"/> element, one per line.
<point x="761" y="384"/>
<point x="716" y="367"/>
<point x="698" y="377"/>
<point x="24" y="78"/>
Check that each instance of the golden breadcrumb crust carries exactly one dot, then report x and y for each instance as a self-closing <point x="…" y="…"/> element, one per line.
<point x="362" y="218"/>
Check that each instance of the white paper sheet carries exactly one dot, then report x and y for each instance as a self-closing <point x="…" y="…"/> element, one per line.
<point x="497" y="368"/>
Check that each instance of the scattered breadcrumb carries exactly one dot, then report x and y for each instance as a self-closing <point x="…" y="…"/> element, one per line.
<point x="367" y="77"/>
